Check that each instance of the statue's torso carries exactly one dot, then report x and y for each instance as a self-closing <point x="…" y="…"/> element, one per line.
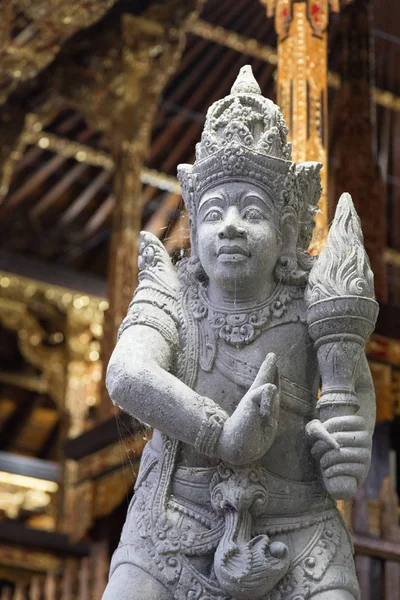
<point x="223" y="370"/>
<point x="231" y="376"/>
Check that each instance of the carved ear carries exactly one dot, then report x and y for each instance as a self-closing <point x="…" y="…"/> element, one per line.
<point x="287" y="269"/>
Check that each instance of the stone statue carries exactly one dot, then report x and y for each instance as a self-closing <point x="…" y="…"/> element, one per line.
<point x="223" y="355"/>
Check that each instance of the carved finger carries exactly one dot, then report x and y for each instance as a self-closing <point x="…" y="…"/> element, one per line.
<point x="268" y="372"/>
<point x="265" y="391"/>
<point x="316" y="431"/>
<point x="349" y="455"/>
<point x="356" y="470"/>
<point x="268" y="403"/>
<point x="353" y="439"/>
<point x="346" y="423"/>
<point x="319" y="449"/>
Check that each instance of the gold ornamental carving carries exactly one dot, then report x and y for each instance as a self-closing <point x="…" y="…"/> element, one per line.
<point x="27" y="496"/>
<point x="78" y="501"/>
<point x="33" y="346"/>
<point x="112" y="489"/>
<point x="250" y="47"/>
<point x="68" y="358"/>
<point x="108" y="458"/>
<point x="96" y="484"/>
<point x="302" y="86"/>
<point x="32" y="34"/>
<point x="83" y="369"/>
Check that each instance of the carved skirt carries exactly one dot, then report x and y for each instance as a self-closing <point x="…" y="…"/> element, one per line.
<point x="173" y="536"/>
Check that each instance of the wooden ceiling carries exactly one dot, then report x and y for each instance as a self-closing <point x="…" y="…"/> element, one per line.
<point x="60" y="209"/>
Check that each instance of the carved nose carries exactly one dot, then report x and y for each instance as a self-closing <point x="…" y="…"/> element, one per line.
<point x="230" y="229"/>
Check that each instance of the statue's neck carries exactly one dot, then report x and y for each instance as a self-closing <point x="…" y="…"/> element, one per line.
<point x="240" y="298"/>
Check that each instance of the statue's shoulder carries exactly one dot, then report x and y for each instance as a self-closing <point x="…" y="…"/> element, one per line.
<point x="156" y="299"/>
<point x="158" y="278"/>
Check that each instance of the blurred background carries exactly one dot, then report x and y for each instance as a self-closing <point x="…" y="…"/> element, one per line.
<point x="100" y="100"/>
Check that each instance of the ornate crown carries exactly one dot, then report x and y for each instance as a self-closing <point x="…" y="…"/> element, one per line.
<point x="244" y="138"/>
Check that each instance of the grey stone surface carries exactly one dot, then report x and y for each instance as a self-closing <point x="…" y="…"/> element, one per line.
<point x="223" y="355"/>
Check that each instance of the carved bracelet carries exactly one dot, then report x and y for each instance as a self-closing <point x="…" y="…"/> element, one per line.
<point x="210" y="428"/>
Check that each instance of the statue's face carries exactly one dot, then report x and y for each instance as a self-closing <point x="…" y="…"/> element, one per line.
<point x="238" y="244"/>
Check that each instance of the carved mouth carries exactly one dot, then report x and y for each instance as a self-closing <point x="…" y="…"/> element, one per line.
<point x="233" y="250"/>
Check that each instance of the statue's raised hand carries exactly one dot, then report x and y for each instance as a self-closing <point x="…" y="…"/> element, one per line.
<point x="250" y="430"/>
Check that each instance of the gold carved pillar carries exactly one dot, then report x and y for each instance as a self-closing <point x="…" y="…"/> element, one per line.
<point x="83" y="368"/>
<point x="152" y="47"/>
<point x="301" y="26"/>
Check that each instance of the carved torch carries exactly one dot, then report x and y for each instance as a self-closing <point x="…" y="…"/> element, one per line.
<point x="341" y="315"/>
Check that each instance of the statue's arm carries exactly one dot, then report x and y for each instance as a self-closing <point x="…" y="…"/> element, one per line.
<point x="139" y="382"/>
<point x="139" y="377"/>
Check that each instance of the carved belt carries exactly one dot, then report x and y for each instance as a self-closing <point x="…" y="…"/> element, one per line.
<point x="286" y="497"/>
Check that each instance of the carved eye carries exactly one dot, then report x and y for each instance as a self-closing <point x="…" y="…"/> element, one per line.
<point x="213" y="215"/>
<point x="253" y="214"/>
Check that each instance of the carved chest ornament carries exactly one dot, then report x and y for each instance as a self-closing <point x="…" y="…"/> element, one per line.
<point x="239" y="327"/>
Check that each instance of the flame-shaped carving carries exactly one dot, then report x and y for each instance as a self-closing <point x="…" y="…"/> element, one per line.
<point x="342" y="268"/>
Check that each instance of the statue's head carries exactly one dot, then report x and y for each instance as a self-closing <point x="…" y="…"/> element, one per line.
<point x="250" y="207"/>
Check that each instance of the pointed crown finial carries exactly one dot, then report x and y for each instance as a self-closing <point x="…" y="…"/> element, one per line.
<point x="245" y="82"/>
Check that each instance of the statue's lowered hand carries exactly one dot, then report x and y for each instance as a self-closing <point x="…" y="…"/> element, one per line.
<point x="342" y="445"/>
<point x="251" y="429"/>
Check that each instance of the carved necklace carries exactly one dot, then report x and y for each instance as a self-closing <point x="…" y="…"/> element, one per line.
<point x="236" y="326"/>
